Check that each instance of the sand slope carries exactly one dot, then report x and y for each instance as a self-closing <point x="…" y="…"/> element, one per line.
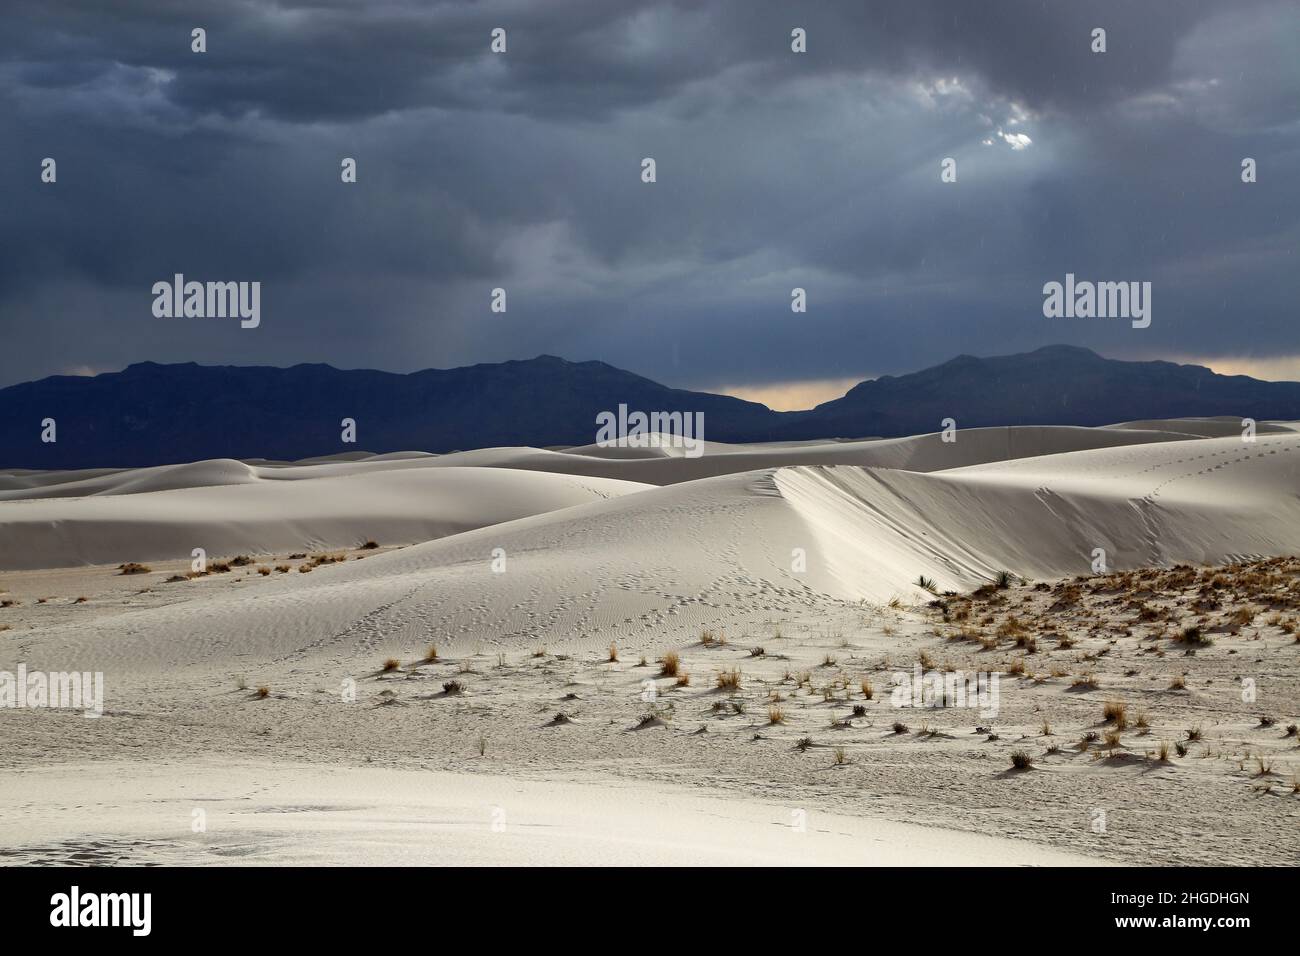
<point x="244" y="513"/>
<point x="663" y="563"/>
<point x="299" y="815"/>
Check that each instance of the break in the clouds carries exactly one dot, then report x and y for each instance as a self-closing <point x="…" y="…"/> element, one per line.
<point x="521" y="170"/>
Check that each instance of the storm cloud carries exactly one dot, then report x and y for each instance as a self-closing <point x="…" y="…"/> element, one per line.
<point x="521" y="170"/>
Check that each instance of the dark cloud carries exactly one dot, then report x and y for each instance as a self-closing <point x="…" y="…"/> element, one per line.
<point x="775" y="171"/>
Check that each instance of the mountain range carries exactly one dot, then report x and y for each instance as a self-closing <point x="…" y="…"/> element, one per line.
<point x="150" y="414"/>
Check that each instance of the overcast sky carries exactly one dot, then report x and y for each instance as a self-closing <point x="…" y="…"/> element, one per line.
<point x="523" y="170"/>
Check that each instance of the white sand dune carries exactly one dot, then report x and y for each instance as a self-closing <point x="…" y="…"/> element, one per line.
<point x="543" y="564"/>
<point x="265" y="814"/>
<point x="664" y="562"/>
<point x="231" y="510"/>
<point x="651" y="465"/>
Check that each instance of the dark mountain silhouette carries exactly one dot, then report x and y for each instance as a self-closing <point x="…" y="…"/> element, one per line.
<point x="152" y="414"/>
<point x="1055" y="385"/>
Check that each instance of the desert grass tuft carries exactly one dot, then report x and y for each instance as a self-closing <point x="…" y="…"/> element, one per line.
<point x="670" y="664"/>
<point x="729" y="680"/>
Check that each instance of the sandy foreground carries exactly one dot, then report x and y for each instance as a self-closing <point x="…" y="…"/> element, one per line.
<point x="496" y="682"/>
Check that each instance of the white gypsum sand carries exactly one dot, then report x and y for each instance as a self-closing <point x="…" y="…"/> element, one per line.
<point x="779" y="563"/>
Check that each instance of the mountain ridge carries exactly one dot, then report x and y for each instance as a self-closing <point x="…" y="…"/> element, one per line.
<point x="159" y="413"/>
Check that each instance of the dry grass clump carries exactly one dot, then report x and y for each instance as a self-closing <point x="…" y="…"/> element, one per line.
<point x="670" y="664"/>
<point x="391" y="664"/>
<point x="868" y="691"/>
<point x="264" y="570"/>
<point x="431" y="655"/>
<point x="263" y="692"/>
<point x="775" y="715"/>
<point x="1116" y="712"/>
<point x="729" y="680"/>
<point x="369" y="546"/>
<point x="131" y="567"/>
<point x="1020" y="760"/>
<point x="452" y="687"/>
<point x="613" y="653"/>
<point x="683" y="679"/>
<point x="1178" y="683"/>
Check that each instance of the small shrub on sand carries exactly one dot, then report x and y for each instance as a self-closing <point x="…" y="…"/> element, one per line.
<point x="283" y="569"/>
<point x="1112" y="738"/>
<point x="1115" y="711"/>
<point x="1178" y="683"/>
<point x="1194" y="733"/>
<point x="1163" y="753"/>
<point x="670" y="664"/>
<point x="900" y="727"/>
<point x="431" y="655"/>
<point x="369" y="545"/>
<point x="683" y="679"/>
<point x="134" y="568"/>
<point x="868" y="691"/>
<point x="1020" y="759"/>
<point x="775" y="715"/>
<point x="305" y="569"/>
<point x="613" y="653"/>
<point x="841" y="756"/>
<point x="453" y="687"/>
<point x="729" y="680"/>
<point x="263" y="692"/>
<point x="81" y="600"/>
<point x="391" y="664"/>
<point x="264" y="570"/>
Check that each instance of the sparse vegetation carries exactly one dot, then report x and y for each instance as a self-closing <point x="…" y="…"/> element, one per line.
<point x="1116" y="712"/>
<point x="131" y="567"/>
<point x="729" y="680"/>
<point x="1020" y="760"/>
<point x="670" y="664"/>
